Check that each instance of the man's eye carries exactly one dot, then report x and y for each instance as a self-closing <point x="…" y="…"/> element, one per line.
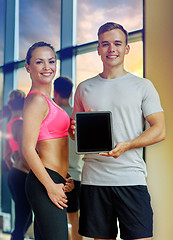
<point x="106" y="44"/>
<point x="52" y="61"/>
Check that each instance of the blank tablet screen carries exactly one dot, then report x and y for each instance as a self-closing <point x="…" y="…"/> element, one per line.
<point x="93" y="132"/>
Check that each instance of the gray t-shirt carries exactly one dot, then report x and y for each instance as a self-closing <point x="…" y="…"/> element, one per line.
<point x="75" y="160"/>
<point x="130" y="99"/>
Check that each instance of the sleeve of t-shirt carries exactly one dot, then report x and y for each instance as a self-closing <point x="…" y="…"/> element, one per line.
<point x="78" y="106"/>
<point x="151" y="101"/>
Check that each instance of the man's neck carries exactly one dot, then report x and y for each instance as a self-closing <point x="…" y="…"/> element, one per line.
<point x="112" y="73"/>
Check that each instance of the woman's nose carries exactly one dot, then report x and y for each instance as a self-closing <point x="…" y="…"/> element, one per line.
<point x="46" y="65"/>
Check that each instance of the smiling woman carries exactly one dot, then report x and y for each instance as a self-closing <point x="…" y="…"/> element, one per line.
<point x="45" y="147"/>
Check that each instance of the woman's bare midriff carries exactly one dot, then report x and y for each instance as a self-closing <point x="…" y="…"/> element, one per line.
<point x="54" y="154"/>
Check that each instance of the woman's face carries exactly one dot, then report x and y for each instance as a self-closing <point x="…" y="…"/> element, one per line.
<point x="42" y="67"/>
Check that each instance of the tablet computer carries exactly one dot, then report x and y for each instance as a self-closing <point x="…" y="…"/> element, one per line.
<point x="93" y="132"/>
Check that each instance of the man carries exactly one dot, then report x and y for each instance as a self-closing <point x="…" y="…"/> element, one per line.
<point x="114" y="183"/>
<point x="62" y="94"/>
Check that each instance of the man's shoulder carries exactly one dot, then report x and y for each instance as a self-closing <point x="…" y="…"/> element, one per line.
<point x="139" y="79"/>
<point x="88" y="80"/>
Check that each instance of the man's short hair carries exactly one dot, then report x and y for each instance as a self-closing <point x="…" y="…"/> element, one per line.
<point x="63" y="86"/>
<point x="111" y="26"/>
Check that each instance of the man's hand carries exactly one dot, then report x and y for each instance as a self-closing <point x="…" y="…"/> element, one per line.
<point x="72" y="129"/>
<point x="155" y="133"/>
<point x="69" y="185"/>
<point x="120" y="148"/>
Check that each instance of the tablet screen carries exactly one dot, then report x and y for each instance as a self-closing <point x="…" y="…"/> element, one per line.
<point x="93" y="132"/>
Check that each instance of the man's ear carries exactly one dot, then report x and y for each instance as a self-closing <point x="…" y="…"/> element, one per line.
<point x="127" y="49"/>
<point x="98" y="50"/>
<point x="27" y="67"/>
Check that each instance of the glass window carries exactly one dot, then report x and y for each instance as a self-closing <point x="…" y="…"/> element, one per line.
<point x="93" y="63"/>
<point x="24" y="81"/>
<point x="39" y="21"/>
<point x="92" y="14"/>
<point x="134" y="60"/>
<point x="2" y="29"/>
<point x="88" y="65"/>
<point x="1" y="89"/>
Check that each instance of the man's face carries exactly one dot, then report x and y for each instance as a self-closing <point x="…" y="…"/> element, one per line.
<point x="112" y="48"/>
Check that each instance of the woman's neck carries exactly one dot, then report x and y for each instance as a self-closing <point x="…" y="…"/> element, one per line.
<point x="45" y="90"/>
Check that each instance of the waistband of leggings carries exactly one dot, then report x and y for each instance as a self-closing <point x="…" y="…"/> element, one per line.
<point x="55" y="175"/>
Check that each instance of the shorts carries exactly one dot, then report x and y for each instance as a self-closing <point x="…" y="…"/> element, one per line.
<point x="101" y="206"/>
<point x="73" y="198"/>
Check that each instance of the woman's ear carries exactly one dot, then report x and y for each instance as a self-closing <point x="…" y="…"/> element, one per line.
<point x="27" y="67"/>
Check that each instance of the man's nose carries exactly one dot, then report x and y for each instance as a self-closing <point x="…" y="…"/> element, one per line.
<point x="111" y="48"/>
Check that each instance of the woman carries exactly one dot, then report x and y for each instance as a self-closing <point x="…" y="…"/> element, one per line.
<point x="45" y="146"/>
<point x="17" y="165"/>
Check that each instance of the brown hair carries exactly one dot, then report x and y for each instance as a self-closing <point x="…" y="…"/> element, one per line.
<point x="111" y="26"/>
<point x="35" y="46"/>
<point x="63" y="86"/>
<point x="16" y="99"/>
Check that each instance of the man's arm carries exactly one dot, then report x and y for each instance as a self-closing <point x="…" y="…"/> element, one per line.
<point x="155" y="133"/>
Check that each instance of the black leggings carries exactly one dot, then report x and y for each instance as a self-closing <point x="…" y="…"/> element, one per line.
<point x="23" y="212"/>
<point x="50" y="222"/>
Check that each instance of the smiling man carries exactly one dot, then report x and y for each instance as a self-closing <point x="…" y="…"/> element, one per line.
<point x="114" y="183"/>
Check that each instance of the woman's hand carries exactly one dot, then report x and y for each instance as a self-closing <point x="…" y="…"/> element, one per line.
<point x="57" y="195"/>
<point x="69" y="185"/>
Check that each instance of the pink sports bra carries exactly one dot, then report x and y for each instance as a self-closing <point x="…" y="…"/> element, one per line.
<point x="56" y="123"/>
<point x="14" y="145"/>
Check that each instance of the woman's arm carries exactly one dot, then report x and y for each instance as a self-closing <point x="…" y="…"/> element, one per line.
<point x="35" y="110"/>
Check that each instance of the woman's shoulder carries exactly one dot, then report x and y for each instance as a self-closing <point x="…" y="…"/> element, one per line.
<point x="36" y="104"/>
<point x="35" y="98"/>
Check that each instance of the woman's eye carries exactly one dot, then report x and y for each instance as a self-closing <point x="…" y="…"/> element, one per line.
<point x="38" y="62"/>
